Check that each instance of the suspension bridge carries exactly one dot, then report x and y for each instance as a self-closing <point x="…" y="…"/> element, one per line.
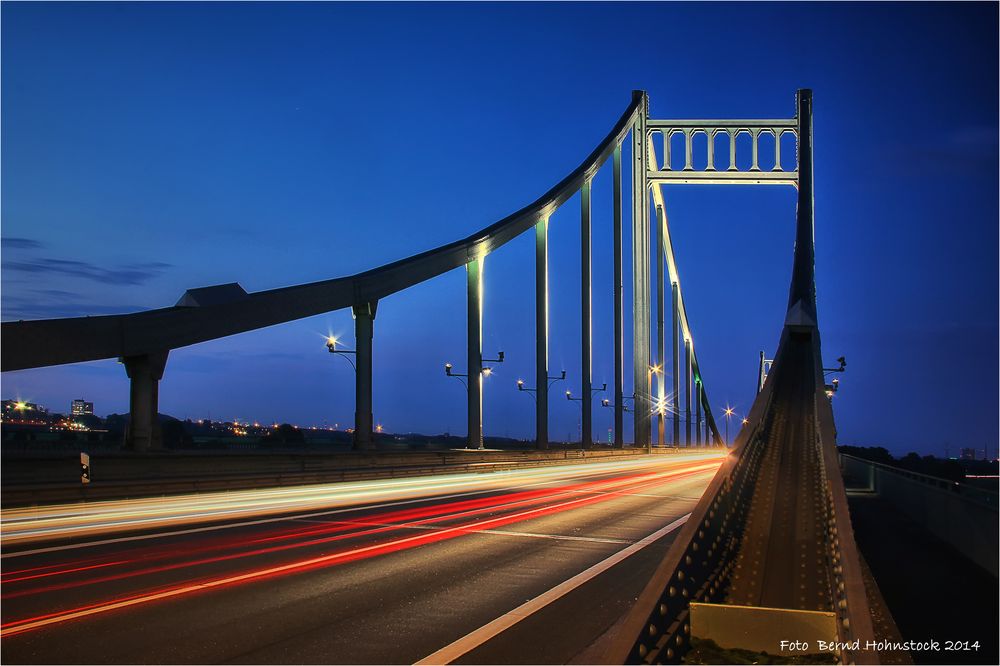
<point x="767" y="548"/>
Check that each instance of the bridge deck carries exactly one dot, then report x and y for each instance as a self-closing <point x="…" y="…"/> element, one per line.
<point x="781" y="561"/>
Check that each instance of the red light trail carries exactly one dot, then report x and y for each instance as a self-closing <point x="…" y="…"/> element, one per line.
<point x="514" y="507"/>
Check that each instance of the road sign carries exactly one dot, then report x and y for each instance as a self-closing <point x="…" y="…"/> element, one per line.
<point x="84" y="468"/>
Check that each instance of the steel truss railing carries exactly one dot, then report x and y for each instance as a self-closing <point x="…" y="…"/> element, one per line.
<point x="143" y="340"/>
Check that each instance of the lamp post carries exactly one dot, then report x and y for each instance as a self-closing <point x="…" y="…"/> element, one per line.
<point x="551" y="381"/>
<point x="363" y="437"/>
<point x="660" y="401"/>
<point x="487" y="371"/>
<point x="331" y="346"/>
<point x="832" y="387"/>
<point x="607" y="403"/>
<point x="729" y="413"/>
<point x="475" y="408"/>
<point x="569" y="396"/>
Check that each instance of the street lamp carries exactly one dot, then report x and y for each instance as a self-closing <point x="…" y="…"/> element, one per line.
<point x="569" y="396"/>
<point x="607" y="403"/>
<point x="331" y="346"/>
<point x="552" y="380"/>
<point x="486" y="370"/>
<point x="832" y="387"/>
<point x="729" y="413"/>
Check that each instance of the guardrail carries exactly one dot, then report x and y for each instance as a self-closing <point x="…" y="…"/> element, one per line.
<point x="962" y="515"/>
<point x="50" y="480"/>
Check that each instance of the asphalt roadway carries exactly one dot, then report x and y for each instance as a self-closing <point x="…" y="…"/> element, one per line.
<point x="528" y="566"/>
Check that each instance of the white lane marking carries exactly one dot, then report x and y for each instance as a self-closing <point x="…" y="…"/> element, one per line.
<point x="531" y="535"/>
<point x="470" y="641"/>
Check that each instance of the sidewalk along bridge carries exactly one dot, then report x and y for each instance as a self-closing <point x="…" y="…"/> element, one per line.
<point x="142" y="341"/>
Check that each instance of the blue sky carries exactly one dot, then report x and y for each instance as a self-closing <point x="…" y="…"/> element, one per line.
<point x="150" y="148"/>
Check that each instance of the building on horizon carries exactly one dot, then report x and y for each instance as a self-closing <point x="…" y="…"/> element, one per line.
<point x="967" y="454"/>
<point x="82" y="407"/>
<point x="20" y="410"/>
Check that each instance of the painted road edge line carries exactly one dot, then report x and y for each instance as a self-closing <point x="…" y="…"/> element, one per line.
<point x="484" y="633"/>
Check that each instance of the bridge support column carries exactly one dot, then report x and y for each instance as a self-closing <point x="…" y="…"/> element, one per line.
<point x="760" y="372"/>
<point x="542" y="334"/>
<point x="145" y="372"/>
<point x="687" y="392"/>
<point x="640" y="279"/>
<point x="661" y="360"/>
<point x="676" y="369"/>
<point x="587" y="435"/>
<point x="619" y="345"/>
<point x="708" y="431"/>
<point x="364" y="333"/>
<point x="474" y="270"/>
<point x="697" y="411"/>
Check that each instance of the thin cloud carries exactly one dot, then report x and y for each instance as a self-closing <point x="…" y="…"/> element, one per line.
<point x="19" y="307"/>
<point x="9" y="243"/>
<point x="129" y="274"/>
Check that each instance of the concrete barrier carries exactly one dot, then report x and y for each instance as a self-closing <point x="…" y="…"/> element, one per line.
<point x="962" y="515"/>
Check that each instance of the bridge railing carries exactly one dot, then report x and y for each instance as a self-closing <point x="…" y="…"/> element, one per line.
<point x="663" y="131"/>
<point x="960" y="514"/>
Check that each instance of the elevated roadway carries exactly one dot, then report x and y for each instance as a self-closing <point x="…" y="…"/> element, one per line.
<point x="525" y="566"/>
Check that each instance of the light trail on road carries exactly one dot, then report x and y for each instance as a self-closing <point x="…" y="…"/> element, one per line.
<point x="33" y="524"/>
<point x="73" y="566"/>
